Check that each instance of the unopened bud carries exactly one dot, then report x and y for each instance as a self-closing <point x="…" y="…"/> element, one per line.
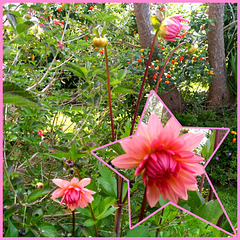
<point x="100" y="42"/>
<point x="39" y="185"/>
<point x="193" y="49"/>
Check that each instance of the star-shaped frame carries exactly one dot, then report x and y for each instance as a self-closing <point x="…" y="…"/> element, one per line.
<point x="155" y="105"/>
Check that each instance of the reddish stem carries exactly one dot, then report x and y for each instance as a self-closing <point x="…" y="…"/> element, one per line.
<point x="143" y="81"/>
<point x="165" y="64"/>
<point x="142" y="213"/>
<point x="109" y="93"/>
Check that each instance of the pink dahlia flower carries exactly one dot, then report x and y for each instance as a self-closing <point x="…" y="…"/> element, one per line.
<point x="73" y="192"/>
<point x="165" y="159"/>
<point x="171" y="27"/>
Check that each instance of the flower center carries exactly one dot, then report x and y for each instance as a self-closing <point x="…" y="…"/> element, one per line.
<point x="159" y="168"/>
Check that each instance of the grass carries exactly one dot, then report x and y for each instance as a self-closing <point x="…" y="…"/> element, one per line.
<point x="228" y="197"/>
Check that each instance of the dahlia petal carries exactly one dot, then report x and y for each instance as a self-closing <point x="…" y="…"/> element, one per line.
<point x="143" y="131"/>
<point x="84" y="182"/>
<point x="61" y="183"/>
<point x="89" y="191"/>
<point x="153" y="195"/>
<point x="172" y="197"/>
<point x="172" y="129"/>
<point x="57" y="193"/>
<point x="184" y="26"/>
<point x="138" y="146"/>
<point x="154" y="127"/>
<point x="186" y="178"/>
<point x="194" y="159"/>
<point x="192" y="187"/>
<point x="74" y="181"/>
<point x="197" y="168"/>
<point x="186" y="154"/>
<point x="141" y="166"/>
<point x="125" y="161"/>
<point x="178" y="188"/>
<point x="187" y="142"/>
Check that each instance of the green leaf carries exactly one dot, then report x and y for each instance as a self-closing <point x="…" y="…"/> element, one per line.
<point x="118" y="148"/>
<point x="103" y="207"/>
<point x="109" y="18"/>
<point x="124" y="90"/>
<point x="47" y="230"/>
<point x="87" y="17"/>
<point x="162" y="201"/>
<point x="211" y="211"/>
<point x="195" y="200"/>
<point x="155" y="22"/>
<point x="121" y="74"/>
<point x="8" y="213"/>
<point x="12" y="230"/>
<point x="13" y="94"/>
<point x="107" y="181"/>
<point x="108" y="212"/>
<point x="89" y="222"/>
<point x="139" y="231"/>
<point x="24" y="26"/>
<point x="38" y="193"/>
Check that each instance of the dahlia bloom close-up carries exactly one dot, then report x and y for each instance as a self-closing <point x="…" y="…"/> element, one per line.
<point x="73" y="192"/>
<point x="164" y="159"/>
<point x="171" y="27"/>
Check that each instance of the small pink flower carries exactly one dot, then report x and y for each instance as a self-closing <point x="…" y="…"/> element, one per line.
<point x="171" y="27"/>
<point x="38" y="38"/>
<point x="43" y="17"/>
<point x="73" y="192"/>
<point x="41" y="25"/>
<point x="60" y="45"/>
<point x="165" y="159"/>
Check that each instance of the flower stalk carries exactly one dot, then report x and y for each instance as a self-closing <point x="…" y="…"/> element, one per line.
<point x="109" y="93"/>
<point x="94" y="219"/>
<point x="143" y="81"/>
<point x="165" y="64"/>
<point x="73" y="223"/>
<point x="89" y="204"/>
<point x="142" y="213"/>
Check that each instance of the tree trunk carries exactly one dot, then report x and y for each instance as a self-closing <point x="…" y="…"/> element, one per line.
<point x="219" y="93"/>
<point x="144" y="25"/>
<point x="173" y="98"/>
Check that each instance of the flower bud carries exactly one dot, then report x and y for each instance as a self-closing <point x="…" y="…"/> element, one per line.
<point x="100" y="42"/>
<point x="193" y="49"/>
<point x="39" y="185"/>
<point x="171" y="27"/>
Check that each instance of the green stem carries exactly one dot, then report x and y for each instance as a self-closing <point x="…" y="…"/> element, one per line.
<point x="143" y="82"/>
<point x="94" y="219"/>
<point x="160" y="222"/>
<point x="73" y="223"/>
<point x="165" y="64"/>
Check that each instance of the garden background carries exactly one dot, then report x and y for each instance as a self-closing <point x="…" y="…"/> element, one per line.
<point x="56" y="107"/>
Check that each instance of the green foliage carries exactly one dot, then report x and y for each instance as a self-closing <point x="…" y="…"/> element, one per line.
<point x="56" y="106"/>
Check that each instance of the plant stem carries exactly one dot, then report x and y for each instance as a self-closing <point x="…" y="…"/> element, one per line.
<point x="119" y="204"/>
<point x="77" y="172"/>
<point x="143" y="82"/>
<point x="109" y="93"/>
<point x="94" y="219"/>
<point x="73" y="223"/>
<point x="142" y="213"/>
<point x="160" y="222"/>
<point x="165" y="64"/>
<point x="201" y="184"/>
<point x="215" y="145"/>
